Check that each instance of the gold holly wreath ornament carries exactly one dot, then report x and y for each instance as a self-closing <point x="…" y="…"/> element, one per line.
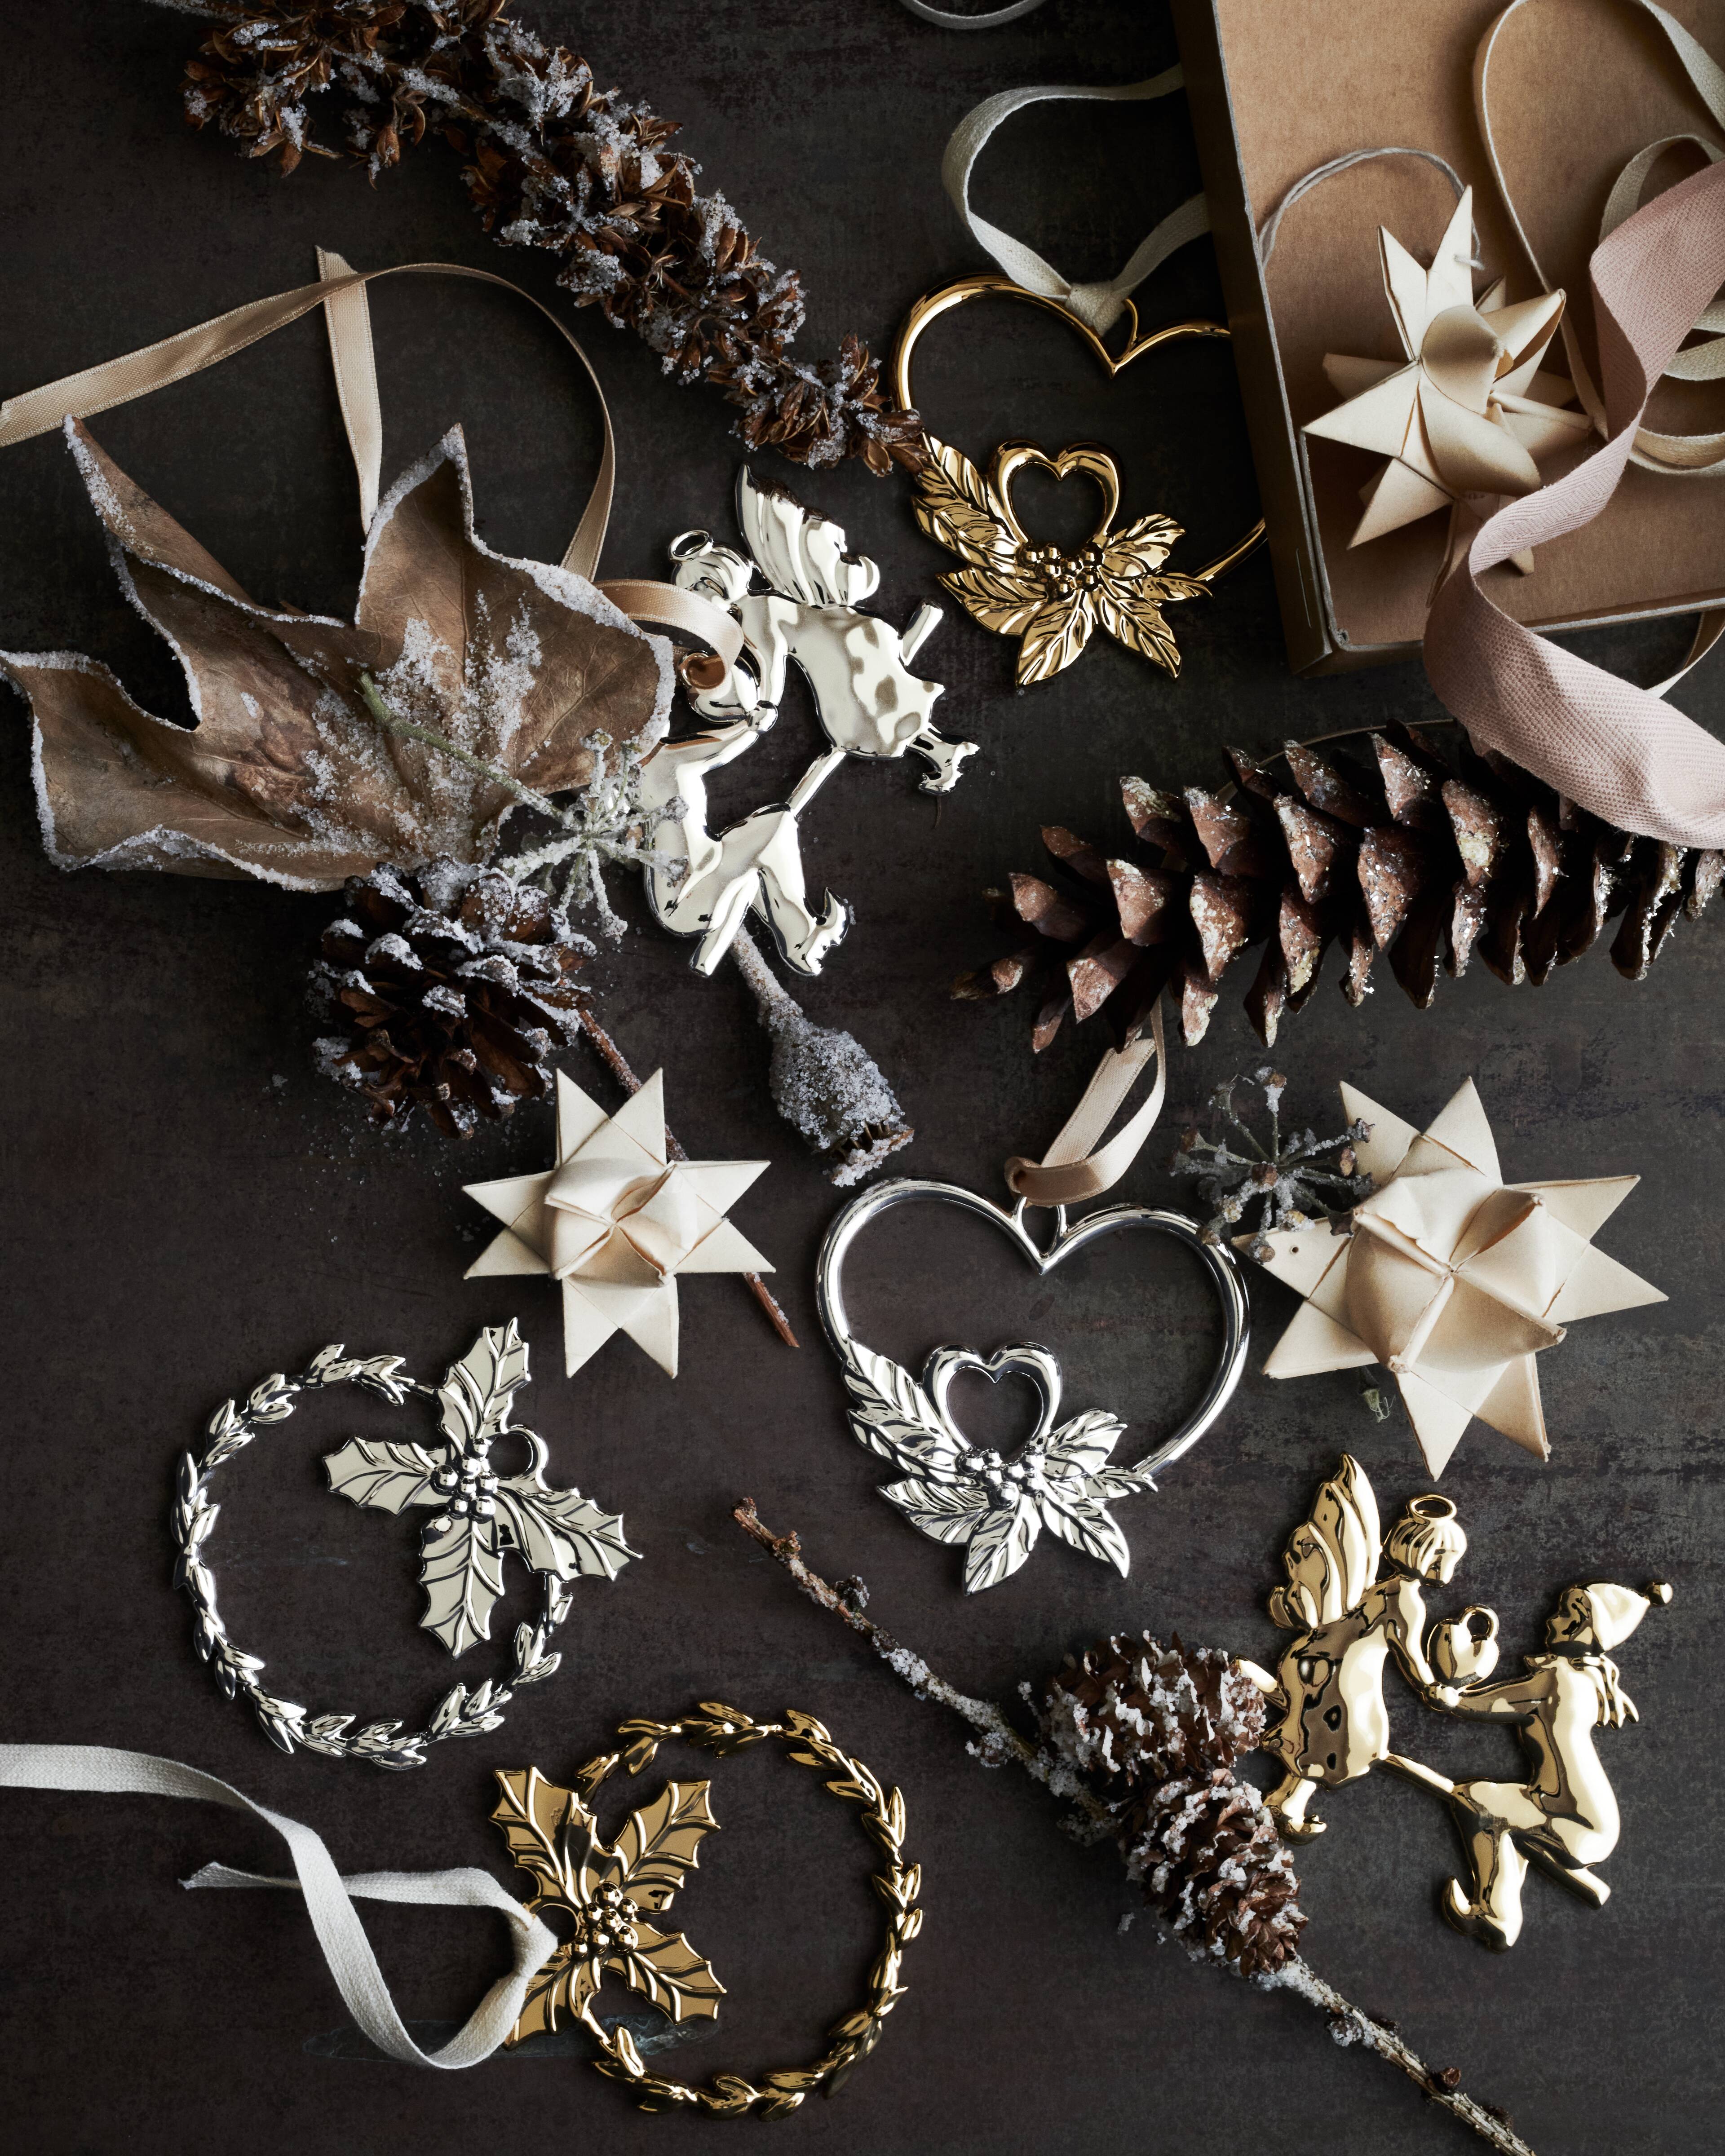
<point x="1050" y="599"/>
<point x="613" y="1899"/>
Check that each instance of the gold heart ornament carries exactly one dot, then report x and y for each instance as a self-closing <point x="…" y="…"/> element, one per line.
<point x="1051" y="599"/>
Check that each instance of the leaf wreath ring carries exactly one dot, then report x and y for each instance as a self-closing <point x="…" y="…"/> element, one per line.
<point x="1060" y="1479"/>
<point x="478" y="1516"/>
<point x="613" y="1895"/>
<point x="1050" y="598"/>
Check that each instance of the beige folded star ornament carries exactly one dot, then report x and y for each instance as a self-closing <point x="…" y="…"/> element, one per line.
<point x="616" y="1221"/>
<point x="1452" y="1277"/>
<point x="1470" y="411"/>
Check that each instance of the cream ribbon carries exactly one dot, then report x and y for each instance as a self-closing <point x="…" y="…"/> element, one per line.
<point x="1681" y="456"/>
<point x="96" y="1769"/>
<point x="1077" y="1166"/>
<point x="1098" y="306"/>
<point x="340" y="291"/>
<point x="607" y="1222"/>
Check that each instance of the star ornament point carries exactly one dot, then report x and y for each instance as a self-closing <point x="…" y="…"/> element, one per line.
<point x="1452" y="1278"/>
<point x="1469" y="409"/>
<point x="615" y="1220"/>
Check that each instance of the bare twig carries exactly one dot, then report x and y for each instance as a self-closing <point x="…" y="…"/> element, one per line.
<point x="616" y="1062"/>
<point x="1001" y="1741"/>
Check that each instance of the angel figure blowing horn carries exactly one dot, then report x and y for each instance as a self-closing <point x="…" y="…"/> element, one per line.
<point x="866" y="700"/>
<point x="1329" y="1685"/>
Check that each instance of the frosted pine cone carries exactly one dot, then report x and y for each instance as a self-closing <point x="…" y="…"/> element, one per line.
<point x="1156" y="1730"/>
<point x="1431" y="858"/>
<point x="456" y="988"/>
<point x="1211" y="1864"/>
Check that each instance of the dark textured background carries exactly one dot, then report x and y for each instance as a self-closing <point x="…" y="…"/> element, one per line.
<point x="189" y="1208"/>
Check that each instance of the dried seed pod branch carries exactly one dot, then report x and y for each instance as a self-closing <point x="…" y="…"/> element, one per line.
<point x="1430" y="857"/>
<point x="1285" y="1180"/>
<point x="552" y="161"/>
<point x="1203" y="1740"/>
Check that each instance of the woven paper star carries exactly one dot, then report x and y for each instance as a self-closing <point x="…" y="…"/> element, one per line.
<point x="1453" y="1278"/>
<point x="616" y="1221"/>
<point x="1470" y="411"/>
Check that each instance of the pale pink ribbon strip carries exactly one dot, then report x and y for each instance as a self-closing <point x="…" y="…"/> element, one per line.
<point x="1619" y="751"/>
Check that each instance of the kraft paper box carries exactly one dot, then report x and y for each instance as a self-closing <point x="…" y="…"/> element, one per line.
<point x="1577" y="87"/>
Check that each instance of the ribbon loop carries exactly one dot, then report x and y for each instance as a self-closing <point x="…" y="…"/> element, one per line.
<point x="1098" y="306"/>
<point x="1077" y="1166"/>
<point x="100" y="1770"/>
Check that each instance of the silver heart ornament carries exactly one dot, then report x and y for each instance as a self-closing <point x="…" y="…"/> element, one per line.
<point x="1060" y="1478"/>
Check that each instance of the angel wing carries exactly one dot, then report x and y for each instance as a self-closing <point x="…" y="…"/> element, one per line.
<point x="1332" y="1559"/>
<point x="892" y="1416"/>
<point x="958" y="508"/>
<point x="801" y="554"/>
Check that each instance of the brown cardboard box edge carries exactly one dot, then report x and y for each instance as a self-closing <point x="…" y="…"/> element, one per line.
<point x="1316" y="643"/>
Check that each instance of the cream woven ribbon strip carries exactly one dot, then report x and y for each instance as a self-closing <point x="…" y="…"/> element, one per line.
<point x="341" y="292"/>
<point x="1687" y="456"/>
<point x="1099" y="306"/>
<point x="1077" y="1165"/>
<point x="96" y="1769"/>
<point x="1619" y="751"/>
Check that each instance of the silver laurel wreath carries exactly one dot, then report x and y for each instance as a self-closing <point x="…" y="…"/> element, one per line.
<point x="459" y="1713"/>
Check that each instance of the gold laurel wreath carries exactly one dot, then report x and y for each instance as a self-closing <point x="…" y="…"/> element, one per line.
<point x="723" y="1730"/>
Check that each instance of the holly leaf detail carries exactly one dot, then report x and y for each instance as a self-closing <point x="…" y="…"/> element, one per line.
<point x="563" y="1987"/>
<point x="384" y="1475"/>
<point x="658" y="1846"/>
<point x="892" y="1416"/>
<point x="668" y="1970"/>
<point x="1142" y="548"/>
<point x="1000" y="1545"/>
<point x="996" y="597"/>
<point x="560" y="1531"/>
<point x="959" y="510"/>
<point x="1087" y="1524"/>
<point x="1052" y="638"/>
<point x="538" y="1819"/>
<point x="1079" y="1448"/>
<point x="475" y="1395"/>
<point x="945" y="1512"/>
<point x="461" y="1571"/>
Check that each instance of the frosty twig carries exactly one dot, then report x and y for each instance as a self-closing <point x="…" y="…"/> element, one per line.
<point x="1001" y="1742"/>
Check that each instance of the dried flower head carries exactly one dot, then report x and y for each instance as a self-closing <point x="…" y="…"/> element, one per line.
<point x="1282" y="1178"/>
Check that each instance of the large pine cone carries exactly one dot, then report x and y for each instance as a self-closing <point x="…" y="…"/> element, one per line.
<point x="1431" y="858"/>
<point x="457" y="989"/>
<point x="1156" y="1730"/>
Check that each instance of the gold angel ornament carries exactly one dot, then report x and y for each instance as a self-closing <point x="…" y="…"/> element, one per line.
<point x="1332" y="1725"/>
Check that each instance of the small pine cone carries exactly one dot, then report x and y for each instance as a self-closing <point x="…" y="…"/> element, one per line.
<point x="1428" y="857"/>
<point x="456" y="988"/>
<point x="1133" y="1714"/>
<point x="1212" y="1866"/>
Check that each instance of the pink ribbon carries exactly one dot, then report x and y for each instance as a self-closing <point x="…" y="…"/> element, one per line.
<point x="1619" y="751"/>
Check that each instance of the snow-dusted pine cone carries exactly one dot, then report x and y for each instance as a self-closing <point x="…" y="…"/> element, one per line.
<point x="456" y="987"/>
<point x="1156" y="1730"/>
<point x="1433" y="857"/>
<point x="1211" y="1864"/>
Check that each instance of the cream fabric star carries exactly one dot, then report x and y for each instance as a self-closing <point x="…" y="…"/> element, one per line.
<point x="616" y="1221"/>
<point x="1452" y="1277"/>
<point x="1470" y="412"/>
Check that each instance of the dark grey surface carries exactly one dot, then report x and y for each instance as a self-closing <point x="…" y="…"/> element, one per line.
<point x="189" y="1208"/>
